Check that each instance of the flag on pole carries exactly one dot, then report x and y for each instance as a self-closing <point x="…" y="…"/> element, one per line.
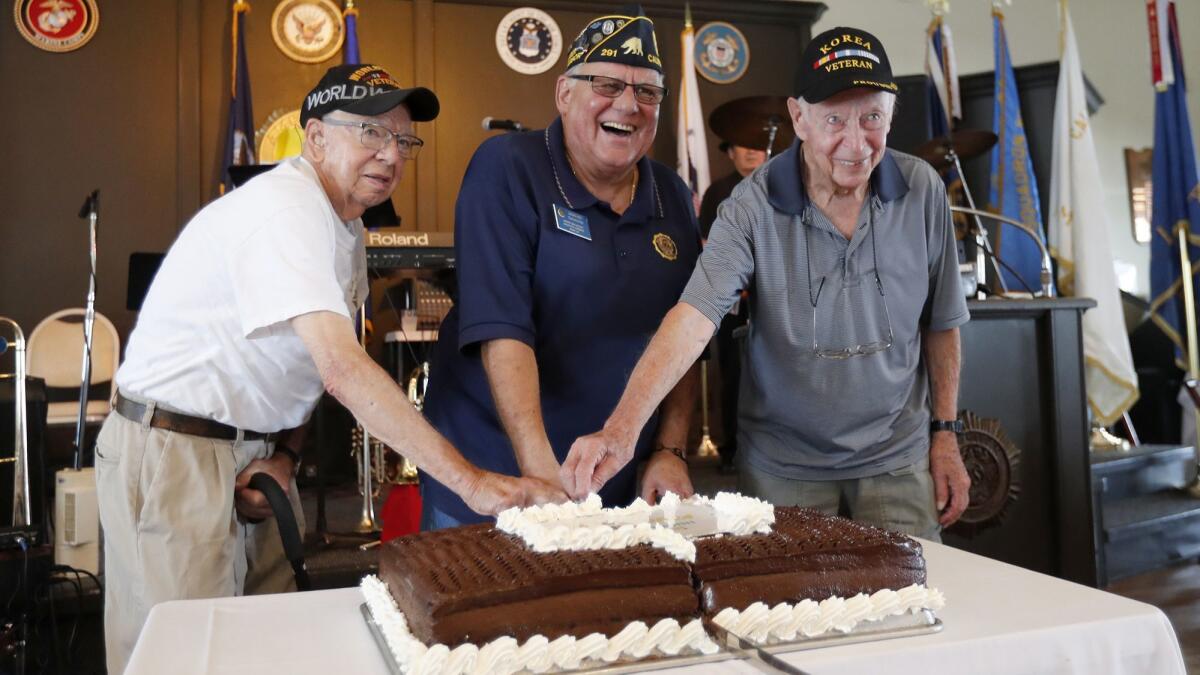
<point x="691" y="144"/>
<point x="1175" y="208"/>
<point x="1014" y="191"/>
<point x="1079" y="240"/>
<point x="239" y="136"/>
<point x="350" y="46"/>
<point x="941" y="73"/>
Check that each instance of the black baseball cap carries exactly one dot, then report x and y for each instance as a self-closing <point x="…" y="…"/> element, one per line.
<point x="843" y="58"/>
<point x="364" y="89"/>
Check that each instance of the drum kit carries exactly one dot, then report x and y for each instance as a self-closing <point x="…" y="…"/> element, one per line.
<point x="763" y="123"/>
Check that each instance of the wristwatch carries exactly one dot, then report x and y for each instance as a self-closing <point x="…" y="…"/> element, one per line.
<point x="946" y="425"/>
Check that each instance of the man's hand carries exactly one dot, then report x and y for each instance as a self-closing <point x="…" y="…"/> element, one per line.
<point x="252" y="504"/>
<point x="951" y="484"/>
<point x="665" y="473"/>
<point x="490" y="493"/>
<point x="593" y="460"/>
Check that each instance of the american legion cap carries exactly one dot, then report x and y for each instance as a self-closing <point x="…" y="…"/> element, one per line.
<point x="626" y="37"/>
<point x="364" y="89"/>
<point x="843" y="58"/>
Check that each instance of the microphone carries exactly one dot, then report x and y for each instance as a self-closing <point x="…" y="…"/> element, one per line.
<point x="493" y="124"/>
<point x="91" y="205"/>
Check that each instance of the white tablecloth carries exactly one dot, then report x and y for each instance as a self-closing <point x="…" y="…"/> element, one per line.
<point x="998" y="619"/>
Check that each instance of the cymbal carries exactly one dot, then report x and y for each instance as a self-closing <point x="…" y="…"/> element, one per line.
<point x="747" y="121"/>
<point x="968" y="143"/>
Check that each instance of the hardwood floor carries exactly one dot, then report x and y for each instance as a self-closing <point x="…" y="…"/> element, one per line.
<point x="1176" y="591"/>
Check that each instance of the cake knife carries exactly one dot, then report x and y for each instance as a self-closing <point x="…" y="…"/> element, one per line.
<point x="754" y="655"/>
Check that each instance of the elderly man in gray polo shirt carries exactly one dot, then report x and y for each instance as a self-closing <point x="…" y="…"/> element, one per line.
<point x="856" y="304"/>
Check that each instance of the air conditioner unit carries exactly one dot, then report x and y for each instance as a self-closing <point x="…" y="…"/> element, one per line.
<point x="76" y="520"/>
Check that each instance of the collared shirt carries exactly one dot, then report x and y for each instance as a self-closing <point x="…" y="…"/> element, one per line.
<point x="587" y="308"/>
<point x="810" y="418"/>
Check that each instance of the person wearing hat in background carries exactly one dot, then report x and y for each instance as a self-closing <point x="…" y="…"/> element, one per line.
<point x="848" y="250"/>
<point x="246" y="324"/>
<point x="745" y="160"/>
<point x="571" y="247"/>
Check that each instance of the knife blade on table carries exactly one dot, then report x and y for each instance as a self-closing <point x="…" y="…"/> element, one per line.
<point x="754" y="655"/>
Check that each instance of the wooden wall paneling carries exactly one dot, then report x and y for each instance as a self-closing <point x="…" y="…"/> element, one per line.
<point x="100" y="117"/>
<point x="188" y="183"/>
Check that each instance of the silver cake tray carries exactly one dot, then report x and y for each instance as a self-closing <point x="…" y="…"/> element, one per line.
<point x="905" y="625"/>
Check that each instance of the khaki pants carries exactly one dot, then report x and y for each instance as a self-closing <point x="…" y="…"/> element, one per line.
<point x="170" y="528"/>
<point x="900" y="500"/>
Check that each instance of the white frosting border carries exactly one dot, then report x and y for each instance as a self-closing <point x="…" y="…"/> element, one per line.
<point x="782" y="623"/>
<point x="556" y="527"/>
<point x="504" y="655"/>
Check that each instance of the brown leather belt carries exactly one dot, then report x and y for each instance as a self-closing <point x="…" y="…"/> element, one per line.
<point x="185" y="424"/>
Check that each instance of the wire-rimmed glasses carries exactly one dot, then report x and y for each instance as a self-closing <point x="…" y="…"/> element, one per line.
<point x="856" y="320"/>
<point x="376" y="137"/>
<point x="611" y="87"/>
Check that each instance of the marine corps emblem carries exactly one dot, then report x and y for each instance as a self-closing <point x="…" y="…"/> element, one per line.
<point x="57" y="25"/>
<point x="528" y="41"/>
<point x="722" y="54"/>
<point x="664" y="245"/>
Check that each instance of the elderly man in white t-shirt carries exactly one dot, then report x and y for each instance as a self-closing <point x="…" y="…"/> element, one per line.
<point x="247" y="323"/>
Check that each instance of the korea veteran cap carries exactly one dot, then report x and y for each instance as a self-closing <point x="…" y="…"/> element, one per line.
<point x="625" y="37"/>
<point x="363" y="89"/>
<point x="840" y="59"/>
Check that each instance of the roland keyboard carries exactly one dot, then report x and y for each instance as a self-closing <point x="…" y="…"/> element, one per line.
<point x="393" y="248"/>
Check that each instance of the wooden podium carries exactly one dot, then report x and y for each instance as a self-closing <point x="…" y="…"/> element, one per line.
<point x="1023" y="368"/>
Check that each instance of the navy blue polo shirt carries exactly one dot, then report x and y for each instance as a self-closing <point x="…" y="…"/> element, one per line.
<point x="586" y="307"/>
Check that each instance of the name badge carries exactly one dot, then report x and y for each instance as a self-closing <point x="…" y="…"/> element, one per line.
<point x="572" y="222"/>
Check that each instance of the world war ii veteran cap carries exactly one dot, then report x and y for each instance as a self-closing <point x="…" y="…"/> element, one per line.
<point x="840" y="59"/>
<point x="363" y="89"/>
<point x="625" y="37"/>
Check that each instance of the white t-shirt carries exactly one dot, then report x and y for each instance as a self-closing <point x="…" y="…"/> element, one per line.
<point x="213" y="338"/>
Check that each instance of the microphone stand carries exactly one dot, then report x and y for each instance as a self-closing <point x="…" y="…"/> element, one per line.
<point x="772" y="129"/>
<point x="91" y="211"/>
<point x="981" y="239"/>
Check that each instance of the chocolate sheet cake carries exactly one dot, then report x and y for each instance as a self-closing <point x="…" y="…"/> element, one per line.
<point x="473" y="584"/>
<point x="476" y="583"/>
<point x="807" y="555"/>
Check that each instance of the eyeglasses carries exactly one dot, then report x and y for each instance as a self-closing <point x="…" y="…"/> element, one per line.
<point x="856" y="330"/>
<point x="376" y="137"/>
<point x="611" y="87"/>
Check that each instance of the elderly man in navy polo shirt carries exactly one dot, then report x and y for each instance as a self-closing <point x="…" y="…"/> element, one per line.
<point x="571" y="246"/>
<point x="849" y="253"/>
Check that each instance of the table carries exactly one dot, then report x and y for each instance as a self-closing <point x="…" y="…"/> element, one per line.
<point x="998" y="619"/>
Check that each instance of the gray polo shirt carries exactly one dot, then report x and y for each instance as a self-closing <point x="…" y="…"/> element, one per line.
<point x="810" y="418"/>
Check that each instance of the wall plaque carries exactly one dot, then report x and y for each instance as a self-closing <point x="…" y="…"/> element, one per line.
<point x="57" y="25"/>
<point x="528" y="40"/>
<point x="308" y="31"/>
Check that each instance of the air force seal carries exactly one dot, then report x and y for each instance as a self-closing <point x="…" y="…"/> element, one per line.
<point x="722" y="53"/>
<point x="528" y="41"/>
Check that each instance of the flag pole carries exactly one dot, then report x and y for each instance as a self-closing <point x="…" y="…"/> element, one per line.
<point x="1189" y="312"/>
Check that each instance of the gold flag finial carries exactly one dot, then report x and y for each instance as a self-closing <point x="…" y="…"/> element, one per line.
<point x="687" y="15"/>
